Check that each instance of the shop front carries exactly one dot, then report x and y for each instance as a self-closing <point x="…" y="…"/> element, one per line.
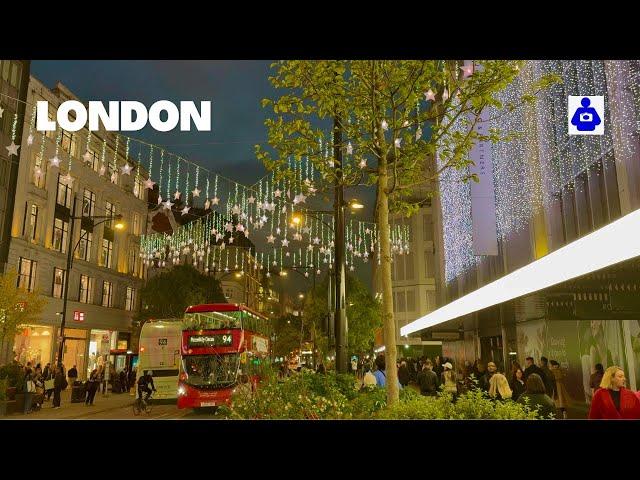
<point x="34" y="344"/>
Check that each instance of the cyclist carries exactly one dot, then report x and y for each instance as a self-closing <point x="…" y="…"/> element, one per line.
<point x="143" y="385"/>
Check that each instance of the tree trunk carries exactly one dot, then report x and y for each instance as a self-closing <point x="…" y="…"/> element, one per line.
<point x="389" y="324"/>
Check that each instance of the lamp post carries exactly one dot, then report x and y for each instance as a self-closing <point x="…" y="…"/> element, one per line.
<point x="70" y="251"/>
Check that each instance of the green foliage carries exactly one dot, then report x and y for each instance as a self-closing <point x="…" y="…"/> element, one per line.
<point x="168" y="294"/>
<point x="287" y="329"/>
<point x="363" y="314"/>
<point x="13" y="374"/>
<point x="4" y="384"/>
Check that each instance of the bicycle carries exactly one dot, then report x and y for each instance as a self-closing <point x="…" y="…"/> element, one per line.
<point x="141" y="405"/>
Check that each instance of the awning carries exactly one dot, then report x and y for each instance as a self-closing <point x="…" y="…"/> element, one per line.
<point x="611" y="244"/>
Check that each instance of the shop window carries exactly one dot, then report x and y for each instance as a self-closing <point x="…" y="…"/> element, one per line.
<point x="26" y="274"/>
<point x="33" y="344"/>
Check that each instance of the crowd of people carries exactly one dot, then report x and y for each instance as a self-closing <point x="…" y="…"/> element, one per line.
<point x="540" y="385"/>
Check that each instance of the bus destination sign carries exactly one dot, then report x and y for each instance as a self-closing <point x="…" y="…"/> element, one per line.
<point x="224" y="339"/>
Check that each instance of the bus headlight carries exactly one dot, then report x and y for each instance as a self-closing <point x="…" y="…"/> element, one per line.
<point x="182" y="390"/>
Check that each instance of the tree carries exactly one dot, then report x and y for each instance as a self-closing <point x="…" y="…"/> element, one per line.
<point x="364" y="314"/>
<point x="288" y="329"/>
<point x="391" y="119"/>
<point x="18" y="306"/>
<point x="168" y="294"/>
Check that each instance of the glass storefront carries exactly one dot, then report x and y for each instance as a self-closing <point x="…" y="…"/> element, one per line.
<point x="75" y="346"/>
<point x="33" y="345"/>
<point x="100" y="344"/>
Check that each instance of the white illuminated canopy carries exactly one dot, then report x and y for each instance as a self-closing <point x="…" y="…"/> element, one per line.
<point x="611" y="244"/>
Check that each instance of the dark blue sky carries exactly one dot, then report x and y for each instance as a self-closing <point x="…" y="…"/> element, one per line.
<point x="234" y="87"/>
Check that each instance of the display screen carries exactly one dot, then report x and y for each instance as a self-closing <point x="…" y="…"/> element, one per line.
<point x="223" y="339"/>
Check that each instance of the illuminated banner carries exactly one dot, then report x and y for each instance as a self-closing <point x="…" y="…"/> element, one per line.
<point x="483" y="202"/>
<point x="224" y="339"/>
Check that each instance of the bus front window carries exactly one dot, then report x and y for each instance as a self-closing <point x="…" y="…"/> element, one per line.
<point x="211" y="370"/>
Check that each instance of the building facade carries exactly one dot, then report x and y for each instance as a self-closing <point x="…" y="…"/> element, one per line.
<point x="551" y="189"/>
<point x="14" y="81"/>
<point x="87" y="177"/>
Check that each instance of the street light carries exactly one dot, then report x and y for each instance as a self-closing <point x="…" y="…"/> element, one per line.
<point x="119" y="225"/>
<point x="301" y="295"/>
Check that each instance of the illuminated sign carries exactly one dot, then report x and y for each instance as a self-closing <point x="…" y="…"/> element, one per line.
<point x="78" y="316"/>
<point x="223" y="339"/>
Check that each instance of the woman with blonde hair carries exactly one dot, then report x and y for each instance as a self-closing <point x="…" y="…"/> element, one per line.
<point x="499" y="387"/>
<point x="612" y="400"/>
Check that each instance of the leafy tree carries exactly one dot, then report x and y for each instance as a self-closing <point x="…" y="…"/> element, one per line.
<point x="389" y="119"/>
<point x="364" y="315"/>
<point x="169" y="293"/>
<point x="288" y="329"/>
<point x="17" y="307"/>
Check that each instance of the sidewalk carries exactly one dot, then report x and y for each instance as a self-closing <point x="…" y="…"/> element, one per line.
<point x="70" y="410"/>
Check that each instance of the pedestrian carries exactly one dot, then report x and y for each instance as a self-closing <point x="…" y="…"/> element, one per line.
<point x="59" y="384"/>
<point x="403" y="374"/>
<point x="38" y="397"/>
<point x="48" y="375"/>
<point x="612" y="400"/>
<point x="437" y="367"/>
<point x="354" y="366"/>
<point x="320" y="368"/>
<point x="428" y="380"/>
<point x="73" y="375"/>
<point x="369" y="379"/>
<point x="596" y="378"/>
<point x="535" y="396"/>
<point x="449" y="380"/>
<point x="499" y="387"/>
<point x="29" y="388"/>
<point x="92" y="387"/>
<point x="518" y="385"/>
<point x="560" y="395"/>
<point x="381" y="377"/>
<point x="122" y="377"/>
<point x="132" y="378"/>
<point x="485" y="380"/>
<point x="548" y="379"/>
<point x="531" y="367"/>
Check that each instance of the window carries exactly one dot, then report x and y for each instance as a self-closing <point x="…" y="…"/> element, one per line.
<point x="138" y="187"/>
<point x="130" y="301"/>
<point x="133" y="260"/>
<point x="26" y="274"/>
<point x="427" y="234"/>
<point x="59" y="277"/>
<point x="33" y="222"/>
<point x="68" y="142"/>
<point x="107" y="294"/>
<point x="109" y="211"/>
<point x="86" y="289"/>
<point x="60" y="232"/>
<point x="84" y="245"/>
<point x="64" y="193"/>
<point x="400" y="303"/>
<point x="107" y="253"/>
<point x="92" y="160"/>
<point x="88" y="203"/>
<point x="411" y="301"/>
<point x="137" y="230"/>
<point x="39" y="170"/>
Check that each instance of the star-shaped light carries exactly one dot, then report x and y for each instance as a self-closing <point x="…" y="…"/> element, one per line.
<point x="126" y="169"/>
<point x="54" y="162"/>
<point x="251" y="199"/>
<point x="168" y="204"/>
<point x="148" y="183"/>
<point x="228" y="227"/>
<point x="268" y="274"/>
<point x="87" y="156"/>
<point x="219" y="237"/>
<point x="445" y="95"/>
<point x="306" y="230"/>
<point x="363" y="163"/>
<point x="272" y="207"/>
<point x="316" y="241"/>
<point x="176" y="195"/>
<point x="285" y="242"/>
<point x="13" y="148"/>
<point x="299" y="199"/>
<point x="195" y="192"/>
<point x="349" y="148"/>
<point x="310" y="248"/>
<point x="263" y="218"/>
<point x="236" y="210"/>
<point x="287" y="254"/>
<point x="385" y="125"/>
<point x="239" y="228"/>
<point x="397" y="142"/>
<point x="185" y="210"/>
<point x="274" y="263"/>
<point x="277" y="193"/>
<point x="102" y="170"/>
<point x="223" y="246"/>
<point x="207" y="204"/>
<point x="230" y="240"/>
<point x="29" y="139"/>
<point x="306" y="274"/>
<point x="215" y="201"/>
<point x="284" y="209"/>
<point x="271" y="238"/>
<point x="467" y="70"/>
<point x="367" y="231"/>
<point x="430" y="95"/>
<point x="318" y="272"/>
<point x="278" y="231"/>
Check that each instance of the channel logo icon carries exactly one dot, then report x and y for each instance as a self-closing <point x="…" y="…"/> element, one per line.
<point x="586" y="115"/>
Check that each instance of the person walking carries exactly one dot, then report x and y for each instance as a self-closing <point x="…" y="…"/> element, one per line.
<point x="549" y="379"/>
<point x="612" y="400"/>
<point x="59" y="384"/>
<point x="381" y="377"/>
<point x="428" y="380"/>
<point x="48" y="376"/>
<point x="535" y="396"/>
<point x="92" y="387"/>
<point x="560" y="396"/>
<point x="518" y="385"/>
<point x="403" y="374"/>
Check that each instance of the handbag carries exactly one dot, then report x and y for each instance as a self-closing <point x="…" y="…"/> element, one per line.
<point x="31" y="386"/>
<point x="48" y="384"/>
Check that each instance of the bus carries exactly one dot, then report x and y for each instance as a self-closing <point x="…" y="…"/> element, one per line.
<point x="160" y="352"/>
<point x="222" y="343"/>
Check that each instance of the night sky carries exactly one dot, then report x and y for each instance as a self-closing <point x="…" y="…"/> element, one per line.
<point x="235" y="88"/>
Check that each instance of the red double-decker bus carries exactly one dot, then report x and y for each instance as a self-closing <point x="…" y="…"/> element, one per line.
<point x="222" y="344"/>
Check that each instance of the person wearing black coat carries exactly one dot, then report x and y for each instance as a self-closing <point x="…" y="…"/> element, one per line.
<point x="59" y="384"/>
<point x="517" y="384"/>
<point x="532" y="368"/>
<point x="403" y="374"/>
